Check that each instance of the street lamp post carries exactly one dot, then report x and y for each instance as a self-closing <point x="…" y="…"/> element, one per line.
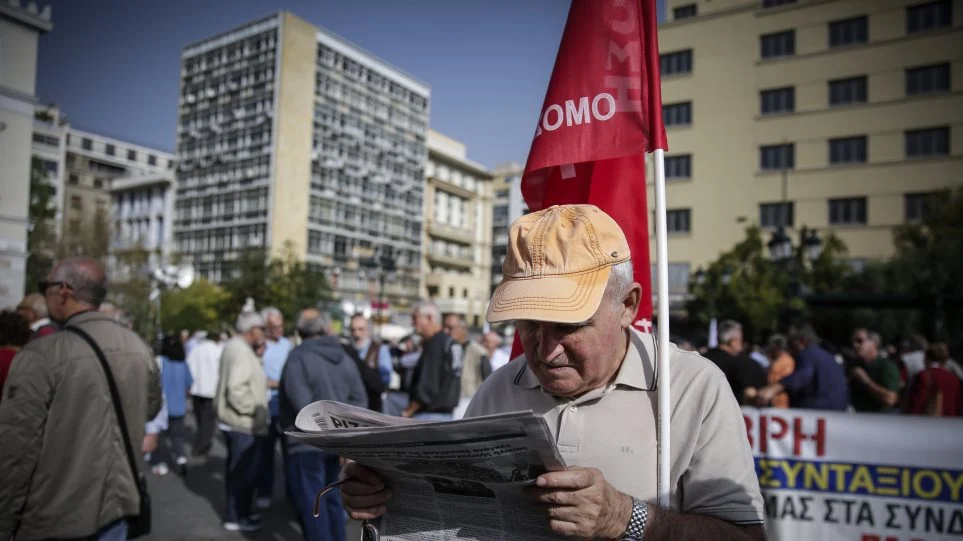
<point x="386" y="264"/>
<point x="794" y="259"/>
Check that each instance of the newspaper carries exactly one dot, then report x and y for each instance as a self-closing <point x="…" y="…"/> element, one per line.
<point x="453" y="480"/>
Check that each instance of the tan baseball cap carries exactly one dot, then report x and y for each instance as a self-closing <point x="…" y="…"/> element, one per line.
<point x="558" y="265"/>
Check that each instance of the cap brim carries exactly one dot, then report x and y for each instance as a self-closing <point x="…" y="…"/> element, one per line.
<point x="569" y="298"/>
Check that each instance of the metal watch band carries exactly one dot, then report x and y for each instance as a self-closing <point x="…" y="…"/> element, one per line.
<point x="636" y="528"/>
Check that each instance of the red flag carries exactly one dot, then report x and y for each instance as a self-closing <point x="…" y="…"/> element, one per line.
<point x="602" y="112"/>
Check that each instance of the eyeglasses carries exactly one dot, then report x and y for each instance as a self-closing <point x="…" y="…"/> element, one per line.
<point x="44" y="285"/>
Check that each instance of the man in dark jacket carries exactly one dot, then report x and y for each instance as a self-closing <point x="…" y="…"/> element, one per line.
<point x="436" y="383"/>
<point x="318" y="369"/>
<point x="743" y="373"/>
<point x="818" y="382"/>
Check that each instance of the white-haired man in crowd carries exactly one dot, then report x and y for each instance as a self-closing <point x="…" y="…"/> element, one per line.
<point x="276" y="349"/>
<point x="568" y="286"/>
<point x="242" y="412"/>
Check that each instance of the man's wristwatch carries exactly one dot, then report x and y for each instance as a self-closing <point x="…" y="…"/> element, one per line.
<point x="636" y="528"/>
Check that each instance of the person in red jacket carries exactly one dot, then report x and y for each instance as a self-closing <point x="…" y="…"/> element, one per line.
<point x="33" y="308"/>
<point x="936" y="391"/>
<point x="14" y="333"/>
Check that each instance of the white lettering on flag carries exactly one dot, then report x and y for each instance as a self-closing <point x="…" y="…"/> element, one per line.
<point x="568" y="170"/>
<point x="644" y="325"/>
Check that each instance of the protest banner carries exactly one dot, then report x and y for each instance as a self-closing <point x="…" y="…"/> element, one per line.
<point x="858" y="477"/>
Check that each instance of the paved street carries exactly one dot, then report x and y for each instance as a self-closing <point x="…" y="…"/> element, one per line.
<point x="190" y="509"/>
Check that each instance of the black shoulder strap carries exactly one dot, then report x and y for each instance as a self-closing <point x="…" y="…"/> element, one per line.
<point x="115" y="397"/>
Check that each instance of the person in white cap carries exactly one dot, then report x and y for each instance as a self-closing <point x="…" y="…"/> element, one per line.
<point x="568" y="286"/>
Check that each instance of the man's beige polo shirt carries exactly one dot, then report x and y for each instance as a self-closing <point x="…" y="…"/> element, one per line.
<point x="614" y="429"/>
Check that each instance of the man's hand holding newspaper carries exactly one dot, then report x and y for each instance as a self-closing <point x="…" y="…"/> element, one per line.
<point x="459" y="480"/>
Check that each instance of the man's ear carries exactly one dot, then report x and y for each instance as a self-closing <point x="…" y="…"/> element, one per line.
<point x="630" y="305"/>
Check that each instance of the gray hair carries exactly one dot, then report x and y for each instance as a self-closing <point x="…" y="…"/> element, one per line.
<point x="270" y="311"/>
<point x="621" y="278"/>
<point x="778" y="342"/>
<point x="729" y="330"/>
<point x="36" y="304"/>
<point x="249" y="320"/>
<point x="312" y="323"/>
<point x="85" y="277"/>
<point x="429" y="309"/>
<point x="875" y="338"/>
<point x="804" y="333"/>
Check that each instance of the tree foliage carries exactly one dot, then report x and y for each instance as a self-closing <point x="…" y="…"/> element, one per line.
<point x="284" y="282"/>
<point x="196" y="308"/>
<point x="41" y="232"/>
<point x="130" y="286"/>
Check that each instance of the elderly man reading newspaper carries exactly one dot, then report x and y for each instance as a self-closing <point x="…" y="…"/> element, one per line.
<point x="588" y="373"/>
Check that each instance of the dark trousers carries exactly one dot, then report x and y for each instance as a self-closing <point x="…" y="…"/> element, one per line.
<point x="175" y="435"/>
<point x="115" y="531"/>
<point x="240" y="474"/>
<point x="204" y="416"/>
<point x="265" y="473"/>
<point x="307" y="473"/>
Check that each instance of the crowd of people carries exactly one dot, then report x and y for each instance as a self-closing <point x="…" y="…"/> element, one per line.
<point x="799" y="370"/>
<point x="584" y="365"/>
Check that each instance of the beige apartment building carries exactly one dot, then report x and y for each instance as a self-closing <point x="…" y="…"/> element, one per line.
<point x="841" y="116"/>
<point x="20" y="29"/>
<point x="457" y="237"/>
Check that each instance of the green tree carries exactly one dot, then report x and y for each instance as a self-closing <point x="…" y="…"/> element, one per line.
<point x="198" y="307"/>
<point x="744" y="285"/>
<point x="131" y="290"/>
<point x="284" y="282"/>
<point x="41" y="235"/>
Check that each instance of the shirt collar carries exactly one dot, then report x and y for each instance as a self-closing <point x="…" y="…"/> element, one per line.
<point x="637" y="370"/>
<point x="42" y="322"/>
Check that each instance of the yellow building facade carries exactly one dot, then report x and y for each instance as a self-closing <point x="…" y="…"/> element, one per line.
<point x="842" y="116"/>
<point x="457" y="234"/>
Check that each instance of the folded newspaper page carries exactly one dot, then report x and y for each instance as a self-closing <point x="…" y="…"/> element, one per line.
<point x="452" y="480"/>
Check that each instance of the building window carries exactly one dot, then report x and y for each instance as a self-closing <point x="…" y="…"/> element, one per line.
<point x="676" y="63"/>
<point x="928" y="142"/>
<point x="847" y="91"/>
<point x="677" y="167"/>
<point x="132" y="155"/>
<point x="774" y="3"/>
<point x="778" y="44"/>
<point x="777" y="100"/>
<point x="686" y="11"/>
<point x="74" y="226"/>
<point x="775" y="157"/>
<point x="677" y="114"/>
<point x="99" y="183"/>
<point x="847" y="150"/>
<point x="110" y="150"/>
<point x="849" y="211"/>
<point x="918" y="205"/>
<point x="848" y="32"/>
<point x="73" y="180"/>
<point x="776" y="214"/>
<point x="46" y="139"/>
<point x="151" y="159"/>
<point x="678" y="220"/>
<point x="928" y="79"/>
<point x="51" y="167"/>
<point x="86" y="144"/>
<point x="76" y="202"/>
<point x="929" y="16"/>
<point x="678" y="275"/>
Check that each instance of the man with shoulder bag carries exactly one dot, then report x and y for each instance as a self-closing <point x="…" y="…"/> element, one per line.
<point x="74" y="406"/>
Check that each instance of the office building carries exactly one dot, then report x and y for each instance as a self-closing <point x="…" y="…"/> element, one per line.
<point x="457" y="237"/>
<point x="20" y="29"/>
<point x="507" y="206"/>
<point x="841" y="116"/>
<point x="291" y="138"/>
<point x="142" y="204"/>
<point x="92" y="164"/>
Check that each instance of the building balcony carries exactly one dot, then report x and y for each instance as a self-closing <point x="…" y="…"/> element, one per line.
<point x="456" y="234"/>
<point x="452" y="188"/>
<point x="452" y="306"/>
<point x="450" y="261"/>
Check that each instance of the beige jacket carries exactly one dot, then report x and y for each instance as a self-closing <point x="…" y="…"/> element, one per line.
<point x="63" y="468"/>
<point x="241" y="401"/>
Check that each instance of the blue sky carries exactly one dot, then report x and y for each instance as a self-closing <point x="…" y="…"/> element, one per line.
<point x="113" y="65"/>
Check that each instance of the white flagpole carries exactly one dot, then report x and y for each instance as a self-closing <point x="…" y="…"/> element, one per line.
<point x="662" y="330"/>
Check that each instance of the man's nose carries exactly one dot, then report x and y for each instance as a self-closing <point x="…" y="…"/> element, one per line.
<point x="549" y="340"/>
